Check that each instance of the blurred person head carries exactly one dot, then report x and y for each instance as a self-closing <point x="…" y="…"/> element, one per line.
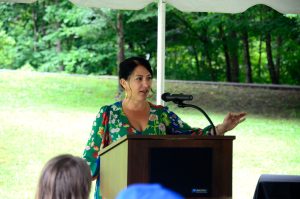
<point x="147" y="191"/>
<point x="64" y="176"/>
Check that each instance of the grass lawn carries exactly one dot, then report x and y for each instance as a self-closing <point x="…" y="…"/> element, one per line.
<point x="43" y="115"/>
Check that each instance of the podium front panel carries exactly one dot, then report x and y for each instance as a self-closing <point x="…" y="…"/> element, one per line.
<point x="113" y="171"/>
<point x="186" y="170"/>
<point x="161" y="159"/>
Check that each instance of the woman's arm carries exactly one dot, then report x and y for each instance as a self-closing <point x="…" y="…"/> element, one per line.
<point x="175" y="125"/>
<point x="91" y="151"/>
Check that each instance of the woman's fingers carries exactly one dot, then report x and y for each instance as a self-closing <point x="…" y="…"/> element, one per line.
<point x="238" y="116"/>
<point x="242" y="119"/>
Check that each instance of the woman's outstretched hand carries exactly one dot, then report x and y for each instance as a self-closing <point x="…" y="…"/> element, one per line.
<point x="231" y="120"/>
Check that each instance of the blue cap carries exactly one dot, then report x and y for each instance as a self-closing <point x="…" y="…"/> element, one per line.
<point x="147" y="191"/>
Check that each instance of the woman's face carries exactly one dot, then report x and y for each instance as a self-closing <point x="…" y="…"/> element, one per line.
<point x="138" y="84"/>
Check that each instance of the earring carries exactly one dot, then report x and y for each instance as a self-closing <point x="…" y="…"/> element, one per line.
<point x="126" y="95"/>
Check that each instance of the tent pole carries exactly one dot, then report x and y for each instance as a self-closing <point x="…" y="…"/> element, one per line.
<point x="161" y="24"/>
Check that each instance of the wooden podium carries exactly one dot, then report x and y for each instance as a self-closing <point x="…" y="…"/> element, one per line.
<point x="194" y="166"/>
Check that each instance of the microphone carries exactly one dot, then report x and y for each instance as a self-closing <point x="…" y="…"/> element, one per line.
<point x="179" y="98"/>
<point x="176" y="97"/>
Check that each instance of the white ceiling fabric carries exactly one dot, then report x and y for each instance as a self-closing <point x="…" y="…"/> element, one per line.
<point x="233" y="6"/>
<point x="221" y="6"/>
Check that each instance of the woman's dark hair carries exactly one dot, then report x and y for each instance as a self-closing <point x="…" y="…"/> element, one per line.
<point x="65" y="176"/>
<point x="127" y="66"/>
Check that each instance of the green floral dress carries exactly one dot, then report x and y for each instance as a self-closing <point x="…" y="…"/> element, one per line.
<point x="112" y="120"/>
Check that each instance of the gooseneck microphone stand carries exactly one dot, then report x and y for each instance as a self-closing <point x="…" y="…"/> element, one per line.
<point x="183" y="105"/>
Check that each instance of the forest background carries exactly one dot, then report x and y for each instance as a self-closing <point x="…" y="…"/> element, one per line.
<point x="259" y="45"/>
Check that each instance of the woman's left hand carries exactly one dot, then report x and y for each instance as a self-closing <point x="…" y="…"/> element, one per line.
<point x="231" y="120"/>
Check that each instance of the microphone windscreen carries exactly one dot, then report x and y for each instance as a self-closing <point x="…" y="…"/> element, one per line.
<point x="164" y="96"/>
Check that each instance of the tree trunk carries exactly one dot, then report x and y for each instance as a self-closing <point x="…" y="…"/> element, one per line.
<point x="208" y="59"/>
<point x="35" y="26"/>
<point x="259" y="57"/>
<point x="226" y="53"/>
<point x="260" y="44"/>
<point x="247" y="57"/>
<point x="58" y="51"/>
<point x="61" y="67"/>
<point x="271" y="65"/>
<point x="208" y="54"/>
<point x="43" y="27"/>
<point x="121" y="43"/>
<point x="278" y="57"/>
<point x="234" y="57"/>
<point x="195" y="52"/>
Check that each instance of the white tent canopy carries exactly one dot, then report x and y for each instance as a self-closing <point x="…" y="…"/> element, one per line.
<point x="222" y="6"/>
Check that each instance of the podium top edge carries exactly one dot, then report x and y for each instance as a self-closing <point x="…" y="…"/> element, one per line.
<point x="163" y="137"/>
<point x="179" y="137"/>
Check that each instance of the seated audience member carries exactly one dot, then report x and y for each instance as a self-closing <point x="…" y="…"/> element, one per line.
<point x="65" y="177"/>
<point x="147" y="191"/>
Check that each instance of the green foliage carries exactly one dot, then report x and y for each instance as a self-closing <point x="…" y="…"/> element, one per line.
<point x="7" y="52"/>
<point x="59" y="36"/>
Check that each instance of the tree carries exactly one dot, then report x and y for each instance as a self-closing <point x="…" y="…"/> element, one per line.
<point x="260" y="45"/>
